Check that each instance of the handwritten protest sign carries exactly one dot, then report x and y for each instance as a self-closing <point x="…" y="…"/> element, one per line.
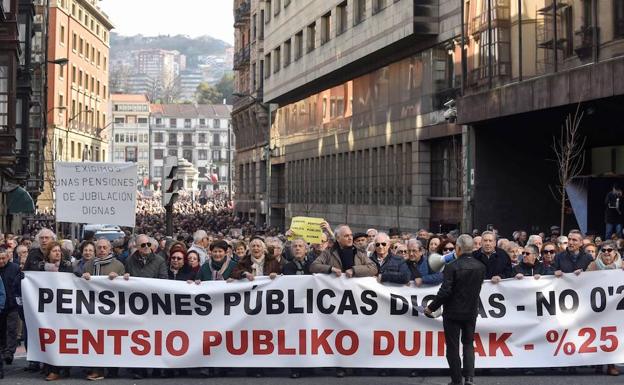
<point x="307" y="228"/>
<point x="96" y="193"/>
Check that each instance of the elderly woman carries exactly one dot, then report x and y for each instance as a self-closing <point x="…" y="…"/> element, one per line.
<point x="178" y="269"/>
<point x="432" y="246"/>
<point x="219" y="265"/>
<point x="257" y="263"/>
<point x="192" y="257"/>
<point x="608" y="259"/>
<point x="240" y="249"/>
<point x="53" y="262"/>
<point x="276" y="246"/>
<point x="87" y="252"/>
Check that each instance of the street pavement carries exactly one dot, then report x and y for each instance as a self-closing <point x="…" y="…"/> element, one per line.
<point x="15" y="374"/>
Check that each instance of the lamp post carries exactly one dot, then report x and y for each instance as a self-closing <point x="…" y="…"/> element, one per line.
<point x="268" y="150"/>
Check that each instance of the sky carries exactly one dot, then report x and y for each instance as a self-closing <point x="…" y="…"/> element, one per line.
<point x="167" y="17"/>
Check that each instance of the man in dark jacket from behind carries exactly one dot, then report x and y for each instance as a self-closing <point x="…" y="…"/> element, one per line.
<point x="496" y="260"/>
<point x="459" y="294"/>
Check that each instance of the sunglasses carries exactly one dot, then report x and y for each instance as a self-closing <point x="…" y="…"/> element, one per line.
<point x="176" y="258"/>
<point x="525" y="253"/>
<point x="549" y="251"/>
<point x="148" y="244"/>
<point x="384" y="244"/>
<point x="607" y="250"/>
<point x="448" y="249"/>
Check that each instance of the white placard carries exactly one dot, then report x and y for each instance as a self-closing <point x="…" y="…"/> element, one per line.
<point x="315" y="321"/>
<point x="101" y="193"/>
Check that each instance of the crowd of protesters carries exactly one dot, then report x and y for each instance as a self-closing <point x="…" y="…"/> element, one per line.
<point x="205" y="249"/>
<point x="212" y="244"/>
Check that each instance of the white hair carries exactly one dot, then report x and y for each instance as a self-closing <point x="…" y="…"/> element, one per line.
<point x="465" y="243"/>
<point x="43" y="232"/>
<point x="199" y="235"/>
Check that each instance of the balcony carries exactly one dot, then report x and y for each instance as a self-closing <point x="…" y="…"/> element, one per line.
<point x="241" y="14"/>
<point x="241" y="58"/>
<point x="172" y="143"/>
<point x="188" y="144"/>
<point x="138" y="126"/>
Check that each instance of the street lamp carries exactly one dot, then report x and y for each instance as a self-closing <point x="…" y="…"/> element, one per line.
<point x="266" y="107"/>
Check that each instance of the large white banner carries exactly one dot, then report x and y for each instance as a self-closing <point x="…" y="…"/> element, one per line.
<point x="315" y="321"/>
<point x="103" y="193"/>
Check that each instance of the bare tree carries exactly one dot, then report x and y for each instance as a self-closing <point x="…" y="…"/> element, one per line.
<point x="569" y="149"/>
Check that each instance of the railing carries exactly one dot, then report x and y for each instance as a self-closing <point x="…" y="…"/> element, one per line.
<point x="172" y="143"/>
<point x="132" y="125"/>
<point x="241" y="58"/>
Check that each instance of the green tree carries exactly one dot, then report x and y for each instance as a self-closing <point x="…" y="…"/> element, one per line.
<point x="226" y="87"/>
<point x="207" y="94"/>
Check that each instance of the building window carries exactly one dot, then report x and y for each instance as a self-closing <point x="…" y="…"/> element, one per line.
<point x="378" y="5"/>
<point x="159" y="153"/>
<point x="187" y="123"/>
<point x="298" y="45"/>
<point x="158" y="137"/>
<point x="267" y="67"/>
<point x="325" y="28"/>
<point x="172" y="152"/>
<point x="341" y="18"/>
<point x="267" y="7"/>
<point x="277" y="7"/>
<point x="277" y="59"/>
<point x="5" y="80"/>
<point x="311" y="39"/>
<point x="159" y="121"/>
<point x="74" y="41"/>
<point x="187" y="140"/>
<point x="202" y="122"/>
<point x="446" y="167"/>
<point x="202" y="155"/>
<point x="216" y="140"/>
<point x="201" y="138"/>
<point x="618" y="18"/>
<point x="62" y="33"/>
<point x="158" y="171"/>
<point x="216" y="123"/>
<point x="359" y="11"/>
<point x="81" y="46"/>
<point x="173" y="139"/>
<point x="173" y="123"/>
<point x="216" y="155"/>
<point x="287" y="52"/>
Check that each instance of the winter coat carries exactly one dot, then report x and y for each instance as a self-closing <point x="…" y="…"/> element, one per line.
<point x="392" y="269"/>
<point x="421" y="269"/>
<point x="329" y="258"/>
<point x="295" y="267"/>
<point x="153" y="267"/>
<point x="497" y="264"/>
<point x="10" y="273"/>
<point x="205" y="272"/>
<point x="244" y="267"/>
<point x="184" y="274"/>
<point x="565" y="262"/>
<point x="528" y="270"/>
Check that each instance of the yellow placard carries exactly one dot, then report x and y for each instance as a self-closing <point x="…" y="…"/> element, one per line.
<point x="307" y="228"/>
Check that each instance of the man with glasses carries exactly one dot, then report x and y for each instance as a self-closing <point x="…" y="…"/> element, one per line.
<point x="391" y="268"/>
<point x="530" y="265"/>
<point x="496" y="260"/>
<point x="144" y="263"/>
<point x="573" y="259"/>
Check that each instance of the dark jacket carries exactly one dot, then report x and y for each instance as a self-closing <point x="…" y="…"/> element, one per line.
<point x="10" y="273"/>
<point x="614" y="208"/>
<point x="2" y="296"/>
<point x="460" y="289"/>
<point x="565" y="262"/>
<point x="184" y="274"/>
<point x="393" y="269"/>
<point x="294" y="267"/>
<point x="537" y="268"/>
<point x="205" y="272"/>
<point x="244" y="267"/>
<point x="35" y="256"/>
<point x="421" y="269"/>
<point x="154" y="266"/>
<point x="498" y="263"/>
<point x="329" y="258"/>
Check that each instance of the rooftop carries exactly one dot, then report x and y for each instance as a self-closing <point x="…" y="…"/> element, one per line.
<point x="129" y="98"/>
<point x="192" y="110"/>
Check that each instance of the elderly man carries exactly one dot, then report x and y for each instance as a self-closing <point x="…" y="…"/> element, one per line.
<point x="573" y="259"/>
<point x="104" y="263"/>
<point x="459" y="294"/>
<point x="300" y="264"/>
<point x="476" y="242"/>
<point x="496" y="260"/>
<point x="200" y="245"/>
<point x="371" y="233"/>
<point x="418" y="264"/>
<point x="390" y="267"/>
<point x="21" y="253"/>
<point x="144" y="263"/>
<point x="35" y="255"/>
<point x="360" y="240"/>
<point x="9" y="272"/>
<point x="344" y="258"/>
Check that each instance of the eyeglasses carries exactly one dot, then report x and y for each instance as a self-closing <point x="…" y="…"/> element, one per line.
<point x="606" y="250"/>
<point x="176" y="258"/>
<point x="148" y="244"/>
<point x="448" y="249"/>
<point x="525" y="253"/>
<point x="401" y="251"/>
<point x="549" y="251"/>
<point x="384" y="244"/>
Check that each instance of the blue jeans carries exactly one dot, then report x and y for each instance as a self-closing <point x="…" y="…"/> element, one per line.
<point x="613" y="228"/>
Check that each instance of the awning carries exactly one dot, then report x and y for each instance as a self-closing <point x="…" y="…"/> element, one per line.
<point x="19" y="201"/>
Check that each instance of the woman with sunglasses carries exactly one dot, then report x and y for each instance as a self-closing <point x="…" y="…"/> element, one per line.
<point x="530" y="265"/>
<point x="608" y="259"/>
<point x="178" y="267"/>
<point x="549" y="250"/>
<point x="446" y="247"/>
